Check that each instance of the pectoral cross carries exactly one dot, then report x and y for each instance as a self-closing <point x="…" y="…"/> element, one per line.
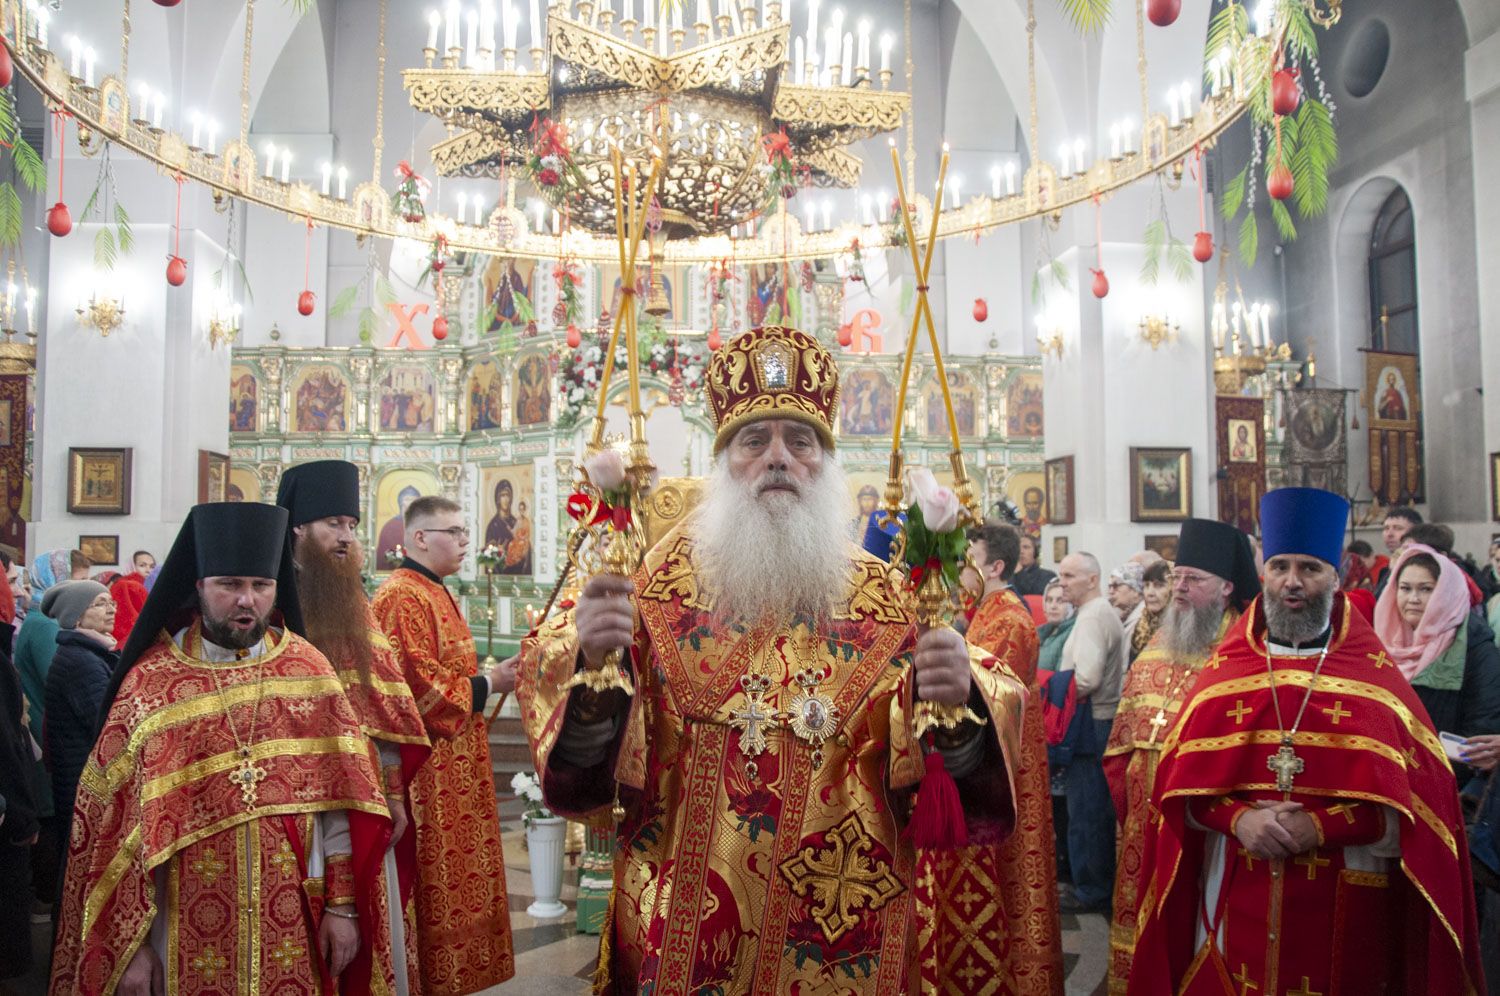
<point x="1158" y="723"/>
<point x="248" y="776"/>
<point x="752" y="719"/>
<point x="1286" y="764"/>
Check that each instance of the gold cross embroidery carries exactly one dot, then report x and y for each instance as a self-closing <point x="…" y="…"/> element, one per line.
<point x="287" y="952"/>
<point x="209" y="964"/>
<point x="1338" y="712"/>
<point x="1410" y="753"/>
<point x="208" y="867"/>
<point x="1244" y="980"/>
<point x="1380" y="659"/>
<point x="1344" y="809"/>
<point x="843" y="880"/>
<point x="1306" y="989"/>
<point x="284" y="860"/>
<point x="1239" y="712"/>
<point x="1216" y="660"/>
<point x="1312" y="863"/>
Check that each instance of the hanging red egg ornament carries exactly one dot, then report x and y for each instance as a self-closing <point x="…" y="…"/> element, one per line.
<point x="1163" y="12"/>
<point x="176" y="271"/>
<point x="1279" y="184"/>
<point x="168" y="3"/>
<point x="714" y="340"/>
<point x="59" y="220"/>
<point x="1203" y="247"/>
<point x="440" y="327"/>
<point x="846" y="335"/>
<point x="1101" y="284"/>
<point x="575" y="337"/>
<point x="1285" y="93"/>
<point x="305" y="302"/>
<point x="7" y="67"/>
<point x="981" y="309"/>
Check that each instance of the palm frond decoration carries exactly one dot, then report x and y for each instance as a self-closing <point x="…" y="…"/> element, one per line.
<point x="1088" y="16"/>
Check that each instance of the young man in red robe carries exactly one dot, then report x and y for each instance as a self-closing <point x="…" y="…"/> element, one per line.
<point x="322" y="503"/>
<point x="987" y="913"/>
<point x="462" y="912"/>
<point x="1309" y="837"/>
<point x="229" y="823"/>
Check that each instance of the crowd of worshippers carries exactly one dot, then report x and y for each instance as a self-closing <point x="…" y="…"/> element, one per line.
<point x="1257" y="761"/>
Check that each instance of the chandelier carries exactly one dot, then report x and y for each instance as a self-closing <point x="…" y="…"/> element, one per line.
<point x="740" y="115"/>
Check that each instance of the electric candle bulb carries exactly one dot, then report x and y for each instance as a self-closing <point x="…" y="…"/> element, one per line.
<point x="452" y="26"/>
<point x="327" y="170"/>
<point x="995" y="182"/>
<point x="156" y="113"/>
<point x="286" y="166"/>
<point x="88" y="66"/>
<point x="846" y="62"/>
<point x="75" y="57"/>
<point x="1187" y="100"/>
<point x="1062" y="158"/>
<point x="887" y="40"/>
<point x="827" y="213"/>
<point x="270" y="151"/>
<point x="863" y="58"/>
<point x="463" y="203"/>
<point x="1078" y="155"/>
<point x="536" y="28"/>
<point x="197" y="120"/>
<point x="471" y="47"/>
<point x="1114" y="140"/>
<point x="343" y="180"/>
<point x="213" y="136"/>
<point x="1127" y="135"/>
<point x="867" y="209"/>
<point x="478" y="211"/>
<point x="1174" y="115"/>
<point x="42" y="17"/>
<point x="434" y="21"/>
<point x="1010" y="177"/>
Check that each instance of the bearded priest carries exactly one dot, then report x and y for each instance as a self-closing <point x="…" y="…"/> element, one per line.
<point x="764" y="759"/>
<point x="229" y="823"/>
<point x="1212" y="582"/>
<point x="322" y="503"/>
<point x="1309" y="837"/>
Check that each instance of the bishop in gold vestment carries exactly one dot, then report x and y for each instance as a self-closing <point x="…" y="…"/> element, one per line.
<point x="765" y="758"/>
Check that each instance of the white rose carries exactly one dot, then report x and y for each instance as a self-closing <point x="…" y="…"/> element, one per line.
<point x="606" y="469"/>
<point x="939" y="505"/>
<point x="576" y="395"/>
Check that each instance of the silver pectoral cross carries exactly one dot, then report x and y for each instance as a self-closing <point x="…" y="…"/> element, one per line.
<point x="1286" y="764"/>
<point x="752" y="719"/>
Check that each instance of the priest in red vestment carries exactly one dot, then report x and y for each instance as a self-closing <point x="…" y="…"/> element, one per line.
<point x="1212" y="582"/>
<point x="229" y="823"/>
<point x="322" y="503"/>
<point x="759" y="735"/>
<point x="462" y="912"/>
<point x="1309" y="838"/>
<point x="987" y="913"/>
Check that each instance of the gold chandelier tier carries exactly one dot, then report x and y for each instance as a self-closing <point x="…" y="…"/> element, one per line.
<point x="703" y="110"/>
<point x="823" y="122"/>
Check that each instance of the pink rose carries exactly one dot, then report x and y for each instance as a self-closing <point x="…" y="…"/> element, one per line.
<point x="939" y="505"/>
<point x="606" y="469"/>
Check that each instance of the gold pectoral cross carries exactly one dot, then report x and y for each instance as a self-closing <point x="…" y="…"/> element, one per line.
<point x="1158" y="723"/>
<point x="1286" y="764"/>
<point x="248" y="776"/>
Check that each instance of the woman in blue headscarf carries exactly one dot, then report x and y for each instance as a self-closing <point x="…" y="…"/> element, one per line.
<point x="36" y="644"/>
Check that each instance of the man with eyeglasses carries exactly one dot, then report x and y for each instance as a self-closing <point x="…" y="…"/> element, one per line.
<point x="462" y="914"/>
<point x="1213" y="581"/>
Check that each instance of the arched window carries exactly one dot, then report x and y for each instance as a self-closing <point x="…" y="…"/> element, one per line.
<point x="1393" y="277"/>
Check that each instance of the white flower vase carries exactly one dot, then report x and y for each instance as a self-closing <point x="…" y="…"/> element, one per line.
<point x="546" y="841"/>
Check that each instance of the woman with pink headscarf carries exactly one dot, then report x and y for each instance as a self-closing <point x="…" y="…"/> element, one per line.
<point x="1446" y="651"/>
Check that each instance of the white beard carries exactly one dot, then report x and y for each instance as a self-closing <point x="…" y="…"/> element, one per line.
<point x="774" y="555"/>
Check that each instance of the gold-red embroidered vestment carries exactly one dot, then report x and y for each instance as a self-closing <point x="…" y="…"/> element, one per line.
<point x="463" y="915"/>
<point x="158" y="809"/>
<point x="987" y="913"/>
<point x="791" y="878"/>
<point x="1155" y="687"/>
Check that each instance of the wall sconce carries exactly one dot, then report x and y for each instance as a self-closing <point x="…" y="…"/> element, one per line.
<point x="1049" y="337"/>
<point x="223" y="323"/>
<point x="1157" y="330"/>
<point x="103" y="314"/>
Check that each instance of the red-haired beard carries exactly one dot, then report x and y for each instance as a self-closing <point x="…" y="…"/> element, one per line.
<point x="335" y="611"/>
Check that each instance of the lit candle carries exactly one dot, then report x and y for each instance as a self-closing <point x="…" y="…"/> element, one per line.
<point x="143" y="93"/>
<point x="811" y="211"/>
<point x="1187" y="100"/>
<point x="1174" y="114"/>
<point x="270" y="151"/>
<point x="1062" y="159"/>
<point x="846" y="66"/>
<point x="213" y="136"/>
<point x="995" y="182"/>
<point x="327" y="169"/>
<point x="463" y="206"/>
<point x="1114" y="140"/>
<point x="197" y="120"/>
<point x="478" y="211"/>
<point x="812" y="29"/>
<point x="513" y="24"/>
<point x="156" y="114"/>
<point x="42" y="17"/>
<point x="827" y="213"/>
<point x="648" y="12"/>
<point x="537" y="34"/>
<point x="867" y="209"/>
<point x="30" y="309"/>
<point x="452" y="26"/>
<point x="343" y="182"/>
<point x="75" y="57"/>
<point x="1127" y="135"/>
<point x="1078" y="155"/>
<point x="677" y="17"/>
<point x="886" y="41"/>
<point x="799" y="63"/>
<point x="882" y="204"/>
<point x="1236" y="312"/>
<point x="537" y="208"/>
<point x="434" y="21"/>
<point x="286" y="165"/>
<point x="863" y="59"/>
<point x="471" y="49"/>
<point x="88" y="67"/>
<point x="703" y="15"/>
<point x="1010" y="177"/>
<point x="956" y="184"/>
<point x="1265" y="325"/>
<point x="630" y="10"/>
<point x="556" y="224"/>
<point x="10" y="303"/>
